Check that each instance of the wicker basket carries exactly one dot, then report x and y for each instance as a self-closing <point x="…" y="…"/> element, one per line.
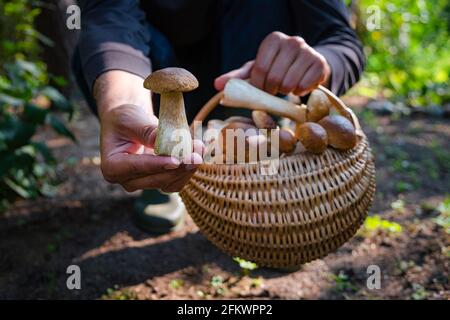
<point x="311" y="207"/>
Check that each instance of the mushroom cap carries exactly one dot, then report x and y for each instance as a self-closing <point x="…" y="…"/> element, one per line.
<point x="318" y="106"/>
<point x="312" y="136"/>
<point x="288" y="141"/>
<point x="239" y="119"/>
<point x="171" y="80"/>
<point x="341" y="132"/>
<point x="263" y="120"/>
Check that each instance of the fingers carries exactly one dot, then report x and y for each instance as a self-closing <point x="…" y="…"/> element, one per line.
<point x="166" y="182"/>
<point x="318" y="72"/>
<point x="144" y="131"/>
<point x="294" y="75"/>
<point x="199" y="147"/>
<point x="281" y="65"/>
<point x="132" y="124"/>
<point x="241" y="73"/>
<point x="309" y="81"/>
<point x="265" y="57"/>
<point x="123" y="166"/>
<point x="192" y="161"/>
<point x="178" y="184"/>
<point x="286" y="64"/>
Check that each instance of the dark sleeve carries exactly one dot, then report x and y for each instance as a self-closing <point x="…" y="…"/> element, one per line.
<point x="325" y="26"/>
<point x="114" y="36"/>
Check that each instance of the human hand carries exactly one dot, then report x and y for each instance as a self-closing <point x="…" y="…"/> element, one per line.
<point x="283" y="64"/>
<point x="126" y="140"/>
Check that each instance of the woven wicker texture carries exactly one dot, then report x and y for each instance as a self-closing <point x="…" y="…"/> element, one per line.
<point x="308" y="209"/>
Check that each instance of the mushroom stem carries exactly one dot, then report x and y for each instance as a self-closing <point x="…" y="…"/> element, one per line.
<point x="173" y="136"/>
<point x="240" y="94"/>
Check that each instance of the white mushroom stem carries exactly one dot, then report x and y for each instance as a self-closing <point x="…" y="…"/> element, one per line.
<point x="240" y="94"/>
<point x="173" y="137"/>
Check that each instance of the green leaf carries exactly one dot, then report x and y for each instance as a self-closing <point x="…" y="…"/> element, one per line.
<point x="17" y="188"/>
<point x="59" y="81"/>
<point x="244" y="264"/>
<point x="44" y="151"/>
<point x="60" y="127"/>
<point x="16" y="133"/>
<point x="30" y="67"/>
<point x="58" y="100"/>
<point x="376" y="223"/>
<point x="10" y="100"/>
<point x="35" y="114"/>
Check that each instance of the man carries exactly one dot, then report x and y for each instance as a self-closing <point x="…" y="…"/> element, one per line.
<point x="282" y="46"/>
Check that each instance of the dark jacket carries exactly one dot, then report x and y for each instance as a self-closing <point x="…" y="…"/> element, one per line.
<point x="209" y="37"/>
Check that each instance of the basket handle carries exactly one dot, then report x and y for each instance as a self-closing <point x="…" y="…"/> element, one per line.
<point x="337" y="103"/>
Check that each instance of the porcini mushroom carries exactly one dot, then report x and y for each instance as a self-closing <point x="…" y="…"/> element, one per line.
<point x="173" y="136"/>
<point x="318" y="106"/>
<point x="287" y="141"/>
<point x="341" y="132"/>
<point x="233" y="141"/>
<point x="239" y="119"/>
<point x="263" y="120"/>
<point x="240" y="94"/>
<point x="312" y="136"/>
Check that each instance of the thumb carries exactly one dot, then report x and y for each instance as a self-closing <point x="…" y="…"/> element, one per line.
<point x="241" y="73"/>
<point x="144" y="131"/>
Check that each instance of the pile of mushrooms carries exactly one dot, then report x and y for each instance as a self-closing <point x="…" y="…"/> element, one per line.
<point x="315" y="128"/>
<point x="253" y="137"/>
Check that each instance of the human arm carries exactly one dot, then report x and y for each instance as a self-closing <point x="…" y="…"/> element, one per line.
<point x="328" y="52"/>
<point x="113" y="47"/>
<point x="128" y="129"/>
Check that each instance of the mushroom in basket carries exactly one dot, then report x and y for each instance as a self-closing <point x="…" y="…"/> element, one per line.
<point x="336" y="130"/>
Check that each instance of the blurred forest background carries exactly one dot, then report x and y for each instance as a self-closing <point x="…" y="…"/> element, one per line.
<point x="403" y="100"/>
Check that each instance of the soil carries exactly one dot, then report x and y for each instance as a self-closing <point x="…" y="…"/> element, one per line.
<point x="88" y="223"/>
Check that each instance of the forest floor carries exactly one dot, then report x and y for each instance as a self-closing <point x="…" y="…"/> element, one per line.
<point x="88" y="223"/>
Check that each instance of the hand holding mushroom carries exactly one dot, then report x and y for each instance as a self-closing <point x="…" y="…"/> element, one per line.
<point x="128" y="129"/>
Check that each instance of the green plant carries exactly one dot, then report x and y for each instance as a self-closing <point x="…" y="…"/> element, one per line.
<point x="217" y="282"/>
<point x="342" y="282"/>
<point x="246" y="266"/>
<point x="419" y="292"/>
<point x="17" y="33"/>
<point x="25" y="163"/>
<point x="398" y="205"/>
<point x="373" y="223"/>
<point x="176" y="284"/>
<point x="402" y="186"/>
<point x="409" y="52"/>
<point x="119" y="294"/>
<point x="443" y="219"/>
<point x="27" y="103"/>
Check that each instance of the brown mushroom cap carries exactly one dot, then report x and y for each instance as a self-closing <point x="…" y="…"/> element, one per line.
<point x="248" y="130"/>
<point x="341" y="132"/>
<point x="239" y="119"/>
<point x="318" y="106"/>
<point x="312" y="136"/>
<point x="263" y="120"/>
<point x="288" y="141"/>
<point x="171" y="80"/>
